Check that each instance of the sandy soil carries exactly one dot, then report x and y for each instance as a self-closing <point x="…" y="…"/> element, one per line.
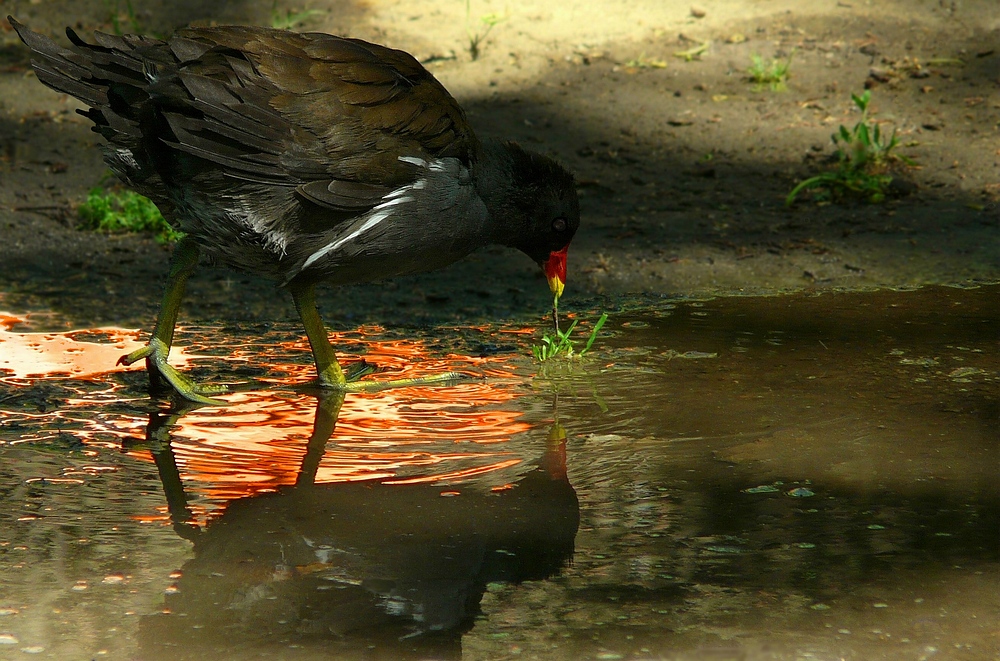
<point x="683" y="168"/>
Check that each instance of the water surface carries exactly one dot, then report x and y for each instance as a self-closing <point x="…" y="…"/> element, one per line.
<point x="800" y="477"/>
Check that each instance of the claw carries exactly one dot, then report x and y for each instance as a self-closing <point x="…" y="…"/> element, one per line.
<point x="155" y="354"/>
<point x="355" y="371"/>
<point x="138" y="354"/>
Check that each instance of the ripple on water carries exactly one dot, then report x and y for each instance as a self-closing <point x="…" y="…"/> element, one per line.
<point x="750" y="473"/>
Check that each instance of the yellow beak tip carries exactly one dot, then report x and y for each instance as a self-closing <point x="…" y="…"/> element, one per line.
<point x="557" y="286"/>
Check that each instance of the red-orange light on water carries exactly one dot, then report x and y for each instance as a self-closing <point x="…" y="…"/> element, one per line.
<point x="28" y="356"/>
<point x="257" y="444"/>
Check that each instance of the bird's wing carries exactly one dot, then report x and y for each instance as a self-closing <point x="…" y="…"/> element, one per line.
<point x="327" y="115"/>
<point x="339" y="120"/>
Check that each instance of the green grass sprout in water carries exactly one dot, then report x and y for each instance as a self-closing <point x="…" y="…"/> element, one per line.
<point x="559" y="343"/>
<point x="864" y="155"/>
<point x="124" y="211"/>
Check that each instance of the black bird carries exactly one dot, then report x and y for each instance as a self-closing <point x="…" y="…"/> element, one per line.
<point x="306" y="158"/>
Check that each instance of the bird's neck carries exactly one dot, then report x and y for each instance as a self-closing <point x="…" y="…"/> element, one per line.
<point x="497" y="187"/>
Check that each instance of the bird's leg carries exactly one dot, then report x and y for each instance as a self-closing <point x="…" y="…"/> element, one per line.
<point x="161" y="375"/>
<point x="331" y="375"/>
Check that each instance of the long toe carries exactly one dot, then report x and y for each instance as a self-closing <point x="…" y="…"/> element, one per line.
<point x="360" y="369"/>
<point x="189" y="389"/>
<point x="155" y="354"/>
<point x="433" y="380"/>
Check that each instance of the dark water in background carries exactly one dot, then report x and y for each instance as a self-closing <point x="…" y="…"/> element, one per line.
<point x="751" y="478"/>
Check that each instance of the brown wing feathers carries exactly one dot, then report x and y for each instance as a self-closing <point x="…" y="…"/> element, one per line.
<point x="266" y="105"/>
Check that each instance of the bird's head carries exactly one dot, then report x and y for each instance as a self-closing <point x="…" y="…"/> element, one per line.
<point x="540" y="210"/>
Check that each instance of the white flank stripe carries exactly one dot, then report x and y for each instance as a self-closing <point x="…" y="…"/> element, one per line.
<point x="392" y="203"/>
<point x="365" y="226"/>
<point x="381" y="211"/>
<point x="402" y="190"/>
<point x="413" y="160"/>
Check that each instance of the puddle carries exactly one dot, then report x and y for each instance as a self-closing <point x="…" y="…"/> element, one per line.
<point x="751" y="478"/>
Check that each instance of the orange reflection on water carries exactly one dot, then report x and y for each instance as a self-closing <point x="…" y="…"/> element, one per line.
<point x="25" y="357"/>
<point x="399" y="436"/>
<point x="258" y="443"/>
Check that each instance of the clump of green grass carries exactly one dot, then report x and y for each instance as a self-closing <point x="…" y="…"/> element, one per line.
<point x="773" y="74"/>
<point x="116" y="13"/>
<point x="124" y="211"/>
<point x="560" y="343"/>
<point x="864" y="155"/>
<point x="477" y="37"/>
<point x="642" y="62"/>
<point x="290" y="18"/>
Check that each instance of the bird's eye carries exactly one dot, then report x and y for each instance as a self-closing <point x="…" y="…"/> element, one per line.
<point x="559" y="224"/>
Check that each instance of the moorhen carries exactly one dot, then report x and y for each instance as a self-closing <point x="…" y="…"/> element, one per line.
<point x="305" y="158"/>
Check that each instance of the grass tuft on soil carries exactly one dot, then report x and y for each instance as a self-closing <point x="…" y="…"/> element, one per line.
<point x="772" y="75"/>
<point x="864" y="156"/>
<point x="124" y="211"/>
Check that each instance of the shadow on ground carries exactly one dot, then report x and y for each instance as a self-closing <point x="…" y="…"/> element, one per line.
<point x="683" y="173"/>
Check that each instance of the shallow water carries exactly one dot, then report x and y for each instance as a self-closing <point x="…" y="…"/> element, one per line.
<point x="801" y="477"/>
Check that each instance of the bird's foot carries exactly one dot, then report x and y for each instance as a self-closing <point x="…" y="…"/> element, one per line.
<point x="348" y="380"/>
<point x="355" y="371"/>
<point x="433" y="379"/>
<point x="155" y="354"/>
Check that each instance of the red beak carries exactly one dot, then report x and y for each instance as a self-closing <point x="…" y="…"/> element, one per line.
<point x="555" y="271"/>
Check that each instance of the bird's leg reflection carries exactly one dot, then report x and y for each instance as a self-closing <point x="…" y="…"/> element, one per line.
<point x="158" y="443"/>
<point x="327" y="412"/>
<point x="352" y="569"/>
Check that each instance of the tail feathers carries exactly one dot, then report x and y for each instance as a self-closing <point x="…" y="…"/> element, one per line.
<point x="117" y="59"/>
<point x="59" y="68"/>
<point x="111" y="77"/>
<point x="86" y="73"/>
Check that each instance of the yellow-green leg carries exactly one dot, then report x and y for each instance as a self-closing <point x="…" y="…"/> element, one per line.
<point x="331" y="375"/>
<point x="161" y="374"/>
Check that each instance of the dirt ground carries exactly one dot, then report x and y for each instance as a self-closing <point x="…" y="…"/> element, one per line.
<point x="682" y="169"/>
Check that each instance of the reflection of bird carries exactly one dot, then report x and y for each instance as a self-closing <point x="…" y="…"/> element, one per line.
<point x="354" y="570"/>
<point x="304" y="157"/>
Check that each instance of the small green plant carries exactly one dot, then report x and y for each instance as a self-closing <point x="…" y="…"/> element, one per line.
<point x="560" y="342"/>
<point x="864" y="156"/>
<point x="477" y="37"/>
<point x="115" y="16"/>
<point x="642" y="62"/>
<point x="290" y="18"/>
<point x="695" y="52"/>
<point x="773" y="74"/>
<point x="124" y="211"/>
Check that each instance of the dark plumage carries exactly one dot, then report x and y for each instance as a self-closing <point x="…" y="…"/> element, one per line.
<point x="305" y="157"/>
